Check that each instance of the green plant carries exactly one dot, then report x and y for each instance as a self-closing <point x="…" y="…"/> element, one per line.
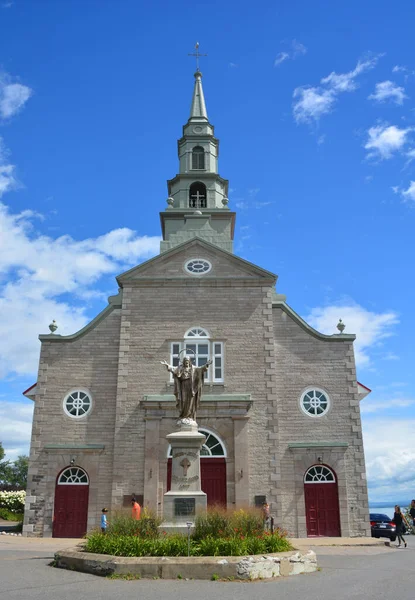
<point x="215" y="577"/>
<point x="13" y="501"/>
<point x="179" y="576"/>
<point x="122" y="523"/>
<point x="225" y="523"/>
<point x="8" y="515"/>
<point x="125" y="576"/>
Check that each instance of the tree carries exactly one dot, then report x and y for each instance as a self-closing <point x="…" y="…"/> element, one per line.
<point x="4" y="466"/>
<point x="17" y="472"/>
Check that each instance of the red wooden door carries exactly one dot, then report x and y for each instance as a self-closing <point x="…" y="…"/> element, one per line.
<point x="71" y="511"/>
<point x="213" y="479"/>
<point x="322" y="509"/>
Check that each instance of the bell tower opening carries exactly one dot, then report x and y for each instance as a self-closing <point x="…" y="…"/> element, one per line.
<point x="197" y="195"/>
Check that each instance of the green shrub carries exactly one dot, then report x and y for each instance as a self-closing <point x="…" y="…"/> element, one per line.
<point x="122" y="523"/>
<point x="13" y="501"/>
<point x="176" y="545"/>
<point x="219" y="522"/>
<point x="8" y="515"/>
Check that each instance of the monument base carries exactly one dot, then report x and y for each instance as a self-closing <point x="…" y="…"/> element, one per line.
<point x="185" y="499"/>
<point x="181" y="507"/>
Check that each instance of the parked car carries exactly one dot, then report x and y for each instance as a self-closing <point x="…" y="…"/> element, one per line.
<point x="382" y="526"/>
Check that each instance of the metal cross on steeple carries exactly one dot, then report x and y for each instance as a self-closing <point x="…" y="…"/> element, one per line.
<point x="197" y="55"/>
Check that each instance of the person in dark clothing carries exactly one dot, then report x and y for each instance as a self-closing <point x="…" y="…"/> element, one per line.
<point x="412" y="513"/>
<point x="399" y="520"/>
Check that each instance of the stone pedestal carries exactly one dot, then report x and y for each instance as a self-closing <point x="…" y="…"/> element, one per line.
<point x="185" y="498"/>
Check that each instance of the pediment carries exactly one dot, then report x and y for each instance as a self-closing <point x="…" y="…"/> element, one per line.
<point x="171" y="265"/>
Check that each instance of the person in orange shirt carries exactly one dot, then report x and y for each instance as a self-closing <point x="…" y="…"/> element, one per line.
<point x="136" y="509"/>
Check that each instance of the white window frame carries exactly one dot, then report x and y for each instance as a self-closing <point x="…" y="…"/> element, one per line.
<point x="60" y="482"/>
<point x="204" y="338"/>
<point x="69" y="394"/>
<point x="320" y="391"/>
<point x="323" y="481"/>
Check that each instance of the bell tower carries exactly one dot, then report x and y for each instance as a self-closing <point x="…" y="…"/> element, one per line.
<point x="198" y="196"/>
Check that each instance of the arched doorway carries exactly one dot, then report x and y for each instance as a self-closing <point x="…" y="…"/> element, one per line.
<point x="71" y="503"/>
<point x="321" y="502"/>
<point x="212" y="469"/>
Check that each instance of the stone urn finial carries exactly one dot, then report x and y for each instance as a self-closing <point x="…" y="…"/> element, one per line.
<point x="170" y="201"/>
<point x="225" y="202"/>
<point x="53" y="327"/>
<point x="341" y="326"/>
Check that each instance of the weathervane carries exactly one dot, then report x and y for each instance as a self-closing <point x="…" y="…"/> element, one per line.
<point x="197" y="55"/>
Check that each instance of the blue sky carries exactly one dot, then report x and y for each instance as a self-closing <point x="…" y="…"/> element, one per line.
<point x="314" y="107"/>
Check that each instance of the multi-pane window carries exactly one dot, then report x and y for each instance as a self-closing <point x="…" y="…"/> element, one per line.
<point x="319" y="474"/>
<point x="200" y="348"/>
<point x="315" y="402"/>
<point x="198" y="158"/>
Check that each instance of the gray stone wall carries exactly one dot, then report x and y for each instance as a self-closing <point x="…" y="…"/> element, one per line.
<point x="155" y="316"/>
<point x="90" y="362"/>
<point x="302" y="360"/>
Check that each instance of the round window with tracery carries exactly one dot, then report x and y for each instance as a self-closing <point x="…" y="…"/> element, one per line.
<point x="73" y="476"/>
<point x="314" y="402"/>
<point x="77" y="404"/>
<point x="198" y="266"/>
<point x="319" y="474"/>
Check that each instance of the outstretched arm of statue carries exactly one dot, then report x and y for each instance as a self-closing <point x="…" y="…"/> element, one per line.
<point x="169" y="367"/>
<point x="205" y="367"/>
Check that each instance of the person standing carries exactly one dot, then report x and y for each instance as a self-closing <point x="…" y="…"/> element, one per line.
<point x="104" y="522"/>
<point x="399" y="519"/>
<point x="412" y="513"/>
<point x="136" y="509"/>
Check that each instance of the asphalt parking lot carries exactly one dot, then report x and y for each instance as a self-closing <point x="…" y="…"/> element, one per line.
<point x="351" y="572"/>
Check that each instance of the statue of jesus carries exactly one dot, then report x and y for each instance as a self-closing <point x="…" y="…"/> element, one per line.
<point x="188" y="383"/>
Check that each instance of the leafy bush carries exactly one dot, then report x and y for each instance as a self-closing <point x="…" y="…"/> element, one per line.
<point x="13" y="501"/>
<point x="8" y="515"/>
<point x="121" y="523"/>
<point x="218" y="522"/>
<point x="176" y="545"/>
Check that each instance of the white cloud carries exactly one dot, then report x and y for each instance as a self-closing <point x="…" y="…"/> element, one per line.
<point x="242" y="205"/>
<point x="368" y="326"/>
<point x="13" y="96"/>
<point x="384" y="140"/>
<point x="296" y="49"/>
<point x="369" y="406"/>
<point x="280" y="58"/>
<point x="314" y="101"/>
<point x="38" y="269"/>
<point x="409" y="194"/>
<point x="16" y="427"/>
<point x="387" y="90"/>
<point x="390" y="455"/>
<point x="399" y="68"/>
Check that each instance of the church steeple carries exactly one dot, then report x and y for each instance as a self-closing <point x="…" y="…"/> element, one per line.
<point x="198" y="196"/>
<point x="198" y="109"/>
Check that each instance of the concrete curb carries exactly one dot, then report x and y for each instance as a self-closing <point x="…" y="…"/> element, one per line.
<point x="198" y="567"/>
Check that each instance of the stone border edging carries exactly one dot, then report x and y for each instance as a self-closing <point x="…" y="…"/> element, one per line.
<point x="195" y="567"/>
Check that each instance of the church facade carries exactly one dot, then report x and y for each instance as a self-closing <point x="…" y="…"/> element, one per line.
<point x="280" y="405"/>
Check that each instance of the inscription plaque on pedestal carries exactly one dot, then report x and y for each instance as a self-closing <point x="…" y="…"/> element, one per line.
<point x="184" y="507"/>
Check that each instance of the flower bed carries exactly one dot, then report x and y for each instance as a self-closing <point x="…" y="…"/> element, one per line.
<point x="12" y="503"/>
<point x="217" y="533"/>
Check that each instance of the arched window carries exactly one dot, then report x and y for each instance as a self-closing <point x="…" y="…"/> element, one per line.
<point x="213" y="446"/>
<point x="198" y="158"/>
<point x="197" y="195"/>
<point x="73" y="476"/>
<point x="198" y="345"/>
<point x="319" y="474"/>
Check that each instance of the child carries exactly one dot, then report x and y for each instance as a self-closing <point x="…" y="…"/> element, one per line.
<point x="104" y="521"/>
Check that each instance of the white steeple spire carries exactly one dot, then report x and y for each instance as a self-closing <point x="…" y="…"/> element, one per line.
<point x="198" y="109"/>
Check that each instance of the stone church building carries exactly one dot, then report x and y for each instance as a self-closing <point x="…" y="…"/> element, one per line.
<point x="280" y="406"/>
